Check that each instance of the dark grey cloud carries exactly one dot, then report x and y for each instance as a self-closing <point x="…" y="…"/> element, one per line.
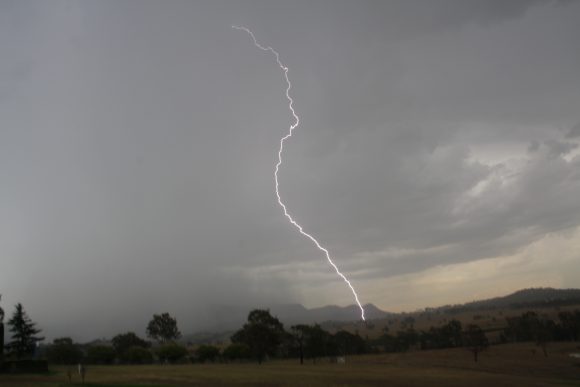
<point x="139" y="139"/>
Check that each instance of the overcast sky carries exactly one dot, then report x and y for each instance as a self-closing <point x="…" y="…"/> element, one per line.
<point x="437" y="157"/>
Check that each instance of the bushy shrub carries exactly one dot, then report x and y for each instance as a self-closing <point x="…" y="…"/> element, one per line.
<point x="171" y="353"/>
<point x="137" y="355"/>
<point x="26" y="366"/>
<point x="101" y="354"/>
<point x="235" y="352"/>
<point x="124" y="341"/>
<point x="207" y="353"/>
<point x="64" y="351"/>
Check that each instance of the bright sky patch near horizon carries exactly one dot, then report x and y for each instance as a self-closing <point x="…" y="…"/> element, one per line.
<point x="437" y="158"/>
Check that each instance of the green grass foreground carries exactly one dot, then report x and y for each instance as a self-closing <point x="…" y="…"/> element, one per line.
<point x="504" y="365"/>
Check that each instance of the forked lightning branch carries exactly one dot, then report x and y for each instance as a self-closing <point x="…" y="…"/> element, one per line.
<point x="281" y="150"/>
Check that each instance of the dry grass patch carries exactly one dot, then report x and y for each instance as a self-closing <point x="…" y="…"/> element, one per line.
<point x="505" y="365"/>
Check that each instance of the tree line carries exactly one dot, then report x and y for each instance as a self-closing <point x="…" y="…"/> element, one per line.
<point x="126" y="348"/>
<point x="530" y="326"/>
<point x="264" y="337"/>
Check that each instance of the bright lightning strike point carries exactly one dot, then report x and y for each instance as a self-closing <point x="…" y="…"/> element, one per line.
<point x="281" y="149"/>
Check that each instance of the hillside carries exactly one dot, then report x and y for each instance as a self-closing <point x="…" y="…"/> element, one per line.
<point x="525" y="298"/>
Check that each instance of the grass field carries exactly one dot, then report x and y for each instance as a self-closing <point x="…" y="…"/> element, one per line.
<point x="504" y="365"/>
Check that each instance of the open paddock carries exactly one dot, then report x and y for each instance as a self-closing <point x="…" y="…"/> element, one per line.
<point x="502" y="365"/>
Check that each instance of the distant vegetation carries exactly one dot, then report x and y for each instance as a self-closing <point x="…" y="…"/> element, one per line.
<point x="264" y="337"/>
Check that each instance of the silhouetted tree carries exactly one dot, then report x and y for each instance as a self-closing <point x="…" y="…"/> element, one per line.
<point x="452" y="333"/>
<point x="387" y="342"/>
<point x="236" y="351"/>
<point x="299" y="333"/>
<point x="125" y="341"/>
<point x="163" y="328"/>
<point x="474" y="338"/>
<point x="316" y="342"/>
<point x="24" y="331"/>
<point x="522" y="328"/>
<point x="262" y="333"/>
<point x="446" y="336"/>
<point x="531" y="327"/>
<point x="348" y="343"/>
<point x="570" y="323"/>
<point x="543" y="333"/>
<point x="64" y="351"/>
<point x="401" y="341"/>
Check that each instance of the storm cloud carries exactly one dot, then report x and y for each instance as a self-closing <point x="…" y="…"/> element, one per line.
<point x="138" y="142"/>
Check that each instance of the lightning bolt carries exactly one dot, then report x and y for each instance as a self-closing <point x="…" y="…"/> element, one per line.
<point x="281" y="149"/>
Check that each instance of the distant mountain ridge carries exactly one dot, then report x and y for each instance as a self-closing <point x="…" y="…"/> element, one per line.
<point x="225" y="317"/>
<point x="296" y="313"/>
